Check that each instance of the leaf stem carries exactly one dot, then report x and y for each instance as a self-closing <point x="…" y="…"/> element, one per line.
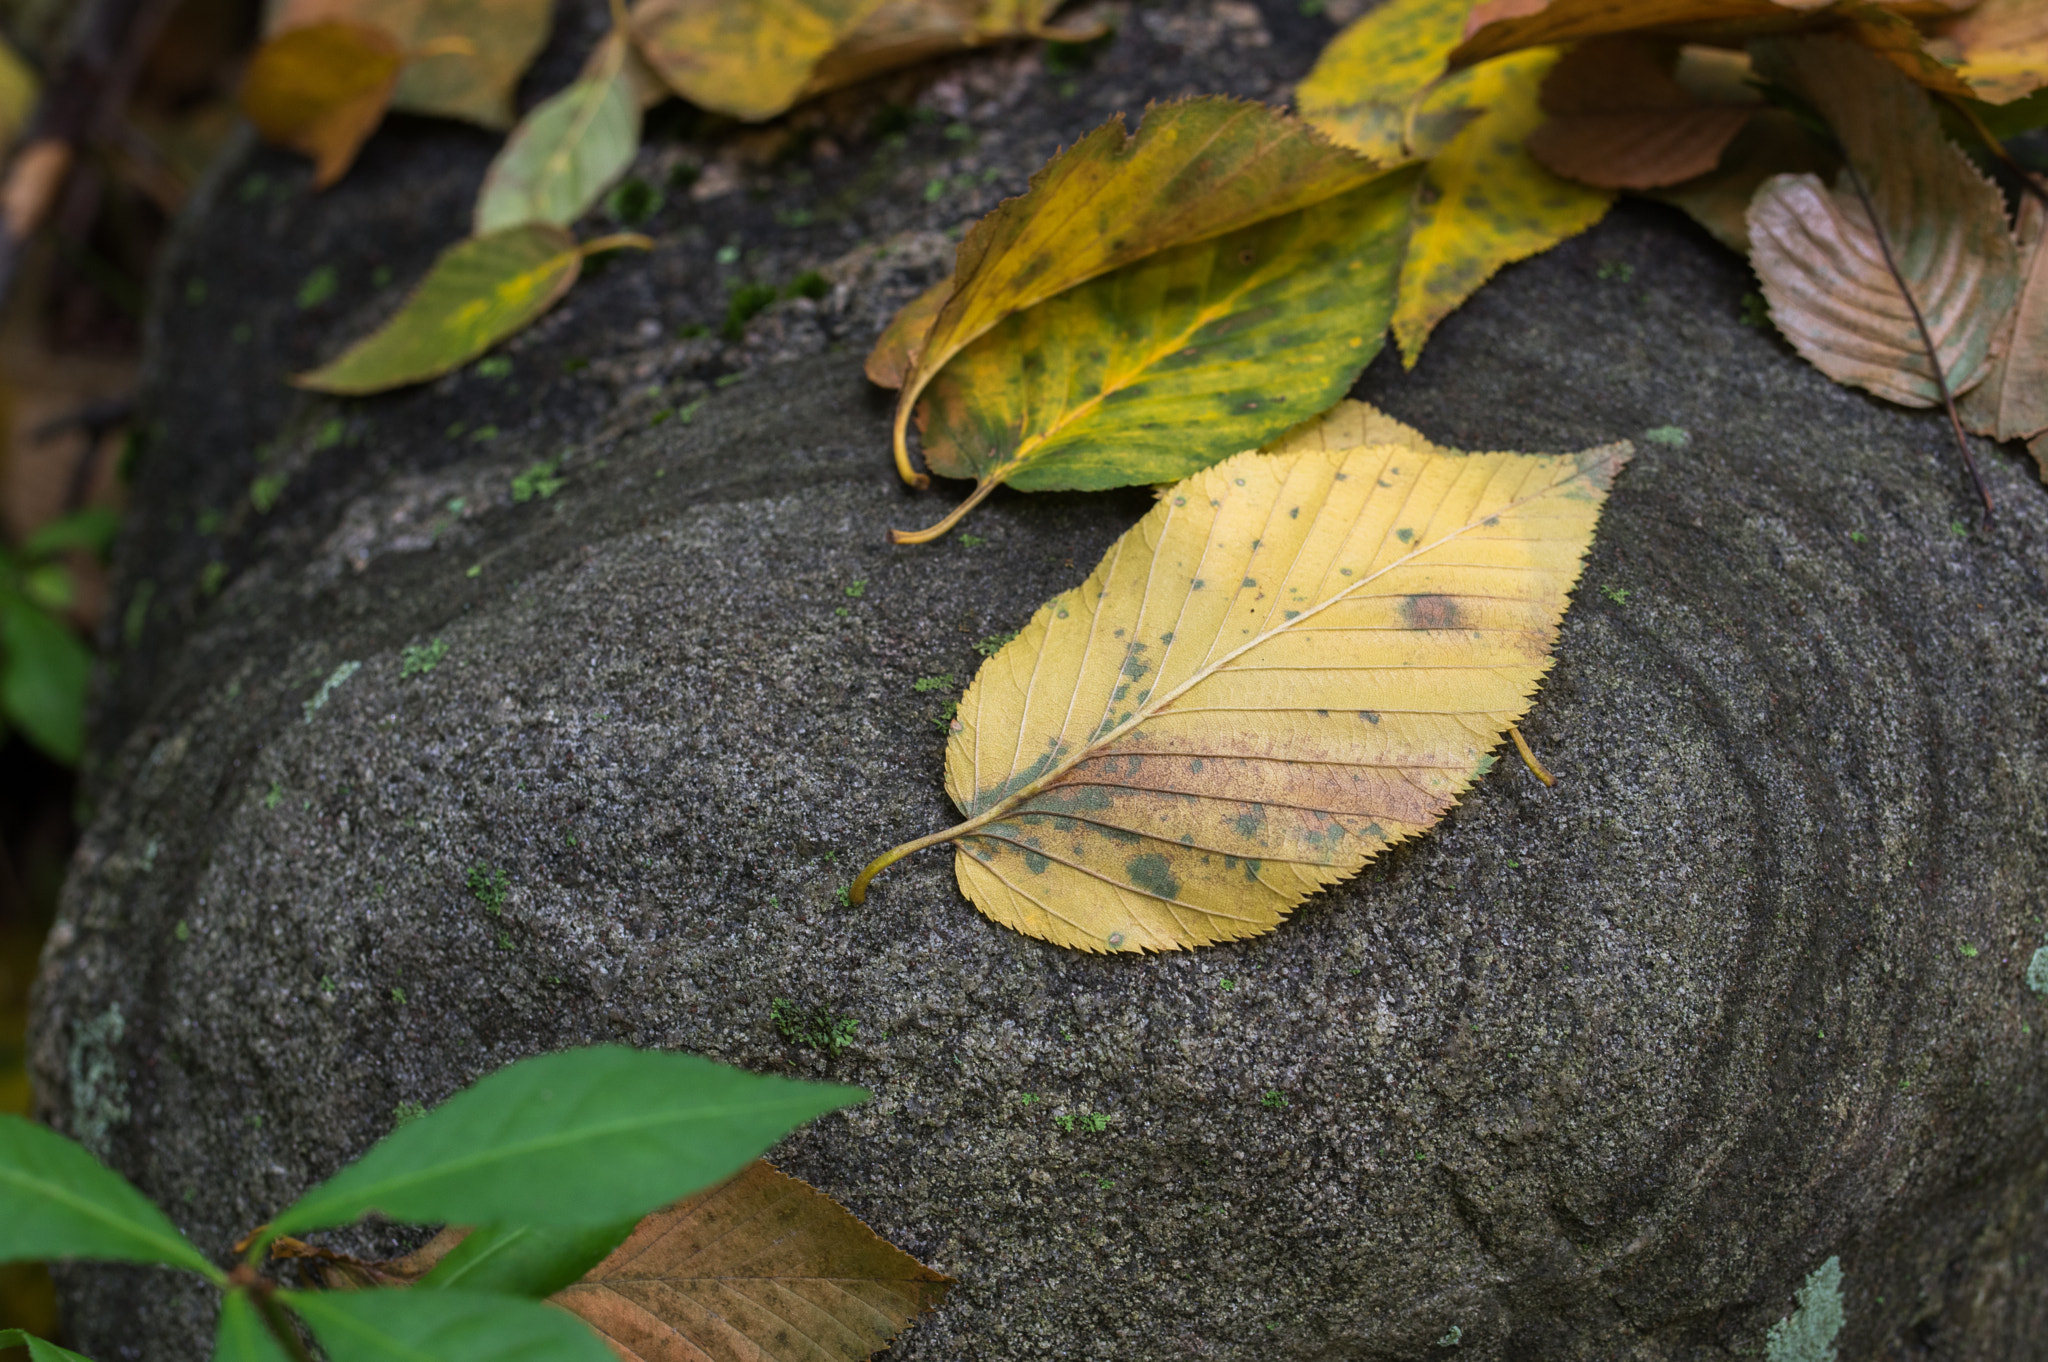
<point x="1926" y="337"/>
<point x="931" y="532"/>
<point x="858" y="892"/>
<point x="901" y="434"/>
<point x="281" y="1327"/>
<point x="1529" y="757"/>
<point x="617" y="241"/>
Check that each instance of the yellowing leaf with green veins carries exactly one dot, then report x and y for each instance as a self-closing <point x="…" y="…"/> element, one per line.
<point x="567" y="152"/>
<point x="762" y="1267"/>
<point x="1485" y="201"/>
<point x="1296" y="659"/>
<point x="903" y="32"/>
<point x="322" y="90"/>
<point x="479" y="292"/>
<point x="1851" y="282"/>
<point x="749" y="59"/>
<point x="1196" y="168"/>
<point x="1367" y="83"/>
<point x="464" y="57"/>
<point x="1165" y="366"/>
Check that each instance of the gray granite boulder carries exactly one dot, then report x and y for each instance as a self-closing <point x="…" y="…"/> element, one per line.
<point x="1599" y="1071"/>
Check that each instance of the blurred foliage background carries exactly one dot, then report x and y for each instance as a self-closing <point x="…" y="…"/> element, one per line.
<point x="155" y="109"/>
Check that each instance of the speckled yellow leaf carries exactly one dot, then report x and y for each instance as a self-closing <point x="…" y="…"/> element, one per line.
<point x="1195" y="169"/>
<point x="1366" y="84"/>
<point x="1486" y="202"/>
<point x="2003" y="45"/>
<point x="479" y="292"/>
<point x="465" y="57"/>
<point x="746" y="58"/>
<point x="1297" y="659"/>
<point x="1167" y="365"/>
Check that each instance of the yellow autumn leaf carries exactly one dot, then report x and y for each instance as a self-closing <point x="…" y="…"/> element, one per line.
<point x="465" y="57"/>
<point x="903" y="32"/>
<point x="322" y="90"/>
<point x="1297" y="659"/>
<point x="2003" y="45"/>
<point x="1501" y="26"/>
<point x="1195" y="169"/>
<point x="749" y="59"/>
<point x="1367" y="83"/>
<point x="1486" y="202"/>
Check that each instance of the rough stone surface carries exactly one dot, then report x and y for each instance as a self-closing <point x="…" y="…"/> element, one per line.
<point x="1599" y="1071"/>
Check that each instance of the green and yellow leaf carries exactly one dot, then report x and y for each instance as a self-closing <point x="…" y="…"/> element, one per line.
<point x="567" y="151"/>
<point x="464" y="57"/>
<point x="1195" y="169"/>
<point x="322" y="90"/>
<point x="749" y="59"/>
<point x="2003" y="47"/>
<point x="479" y="292"/>
<point x="1177" y="361"/>
<point x="1486" y="202"/>
<point x="762" y="1267"/>
<point x="1297" y="659"/>
<point x="1368" y="83"/>
<point x="1827" y="261"/>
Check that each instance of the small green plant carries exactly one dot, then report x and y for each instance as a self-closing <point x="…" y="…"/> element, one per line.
<point x="1967" y="950"/>
<point x="633" y="201"/>
<point x="924" y="684"/>
<point x="1677" y="437"/>
<point x="993" y="644"/>
<point x="746" y="303"/>
<point x="493" y="367"/>
<point x="1451" y="1337"/>
<point x="1618" y="594"/>
<point x="1273" y="1098"/>
<point x="1755" y="311"/>
<point x="1093" y="1122"/>
<point x="420" y="658"/>
<point x="1226" y="984"/>
<point x="265" y="490"/>
<point x="559" y="1155"/>
<point x="857" y="588"/>
<point x="542" y="480"/>
<point x="1619" y="270"/>
<point x="488" y="883"/>
<point x="812" y="1027"/>
<point x="319" y="286"/>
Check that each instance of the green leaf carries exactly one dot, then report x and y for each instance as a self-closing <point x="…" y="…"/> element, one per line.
<point x="565" y="153"/>
<point x="57" y="1201"/>
<point x="43" y="674"/>
<point x="521" y="1261"/>
<point x="39" y="1349"/>
<point x="579" y="1139"/>
<point x="242" y="1335"/>
<point x="92" y="528"/>
<point x="1178" y="361"/>
<point x="479" y="292"/>
<point x="443" y="1326"/>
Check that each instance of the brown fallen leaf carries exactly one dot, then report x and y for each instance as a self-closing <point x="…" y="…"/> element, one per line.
<point x="1618" y="119"/>
<point x="1195" y="169"/>
<point x="1771" y="143"/>
<point x="904" y="32"/>
<point x="2012" y="401"/>
<point x="1910" y="250"/>
<point x="322" y="90"/>
<point x="466" y="56"/>
<point x="763" y="1268"/>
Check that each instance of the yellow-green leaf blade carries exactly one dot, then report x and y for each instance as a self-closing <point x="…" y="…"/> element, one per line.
<point x="1369" y="78"/>
<point x="750" y="60"/>
<point x="1486" y="201"/>
<point x="1195" y="169"/>
<point x="1826" y="263"/>
<point x="566" y="152"/>
<point x="762" y="1266"/>
<point x="902" y="32"/>
<point x="1295" y="660"/>
<point x="2004" y="49"/>
<point x="479" y="292"/>
<point x="1181" y="359"/>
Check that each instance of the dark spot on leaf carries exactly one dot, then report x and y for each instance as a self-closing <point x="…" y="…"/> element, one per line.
<point x="1431" y="612"/>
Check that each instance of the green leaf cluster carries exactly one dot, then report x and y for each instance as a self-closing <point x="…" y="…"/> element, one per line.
<point x="553" y="1159"/>
<point x="44" y="666"/>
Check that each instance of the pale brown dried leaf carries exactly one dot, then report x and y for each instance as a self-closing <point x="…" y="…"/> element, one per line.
<point x="1831" y="268"/>
<point x="2012" y="401"/>
<point x="762" y="1268"/>
<point x="1618" y="119"/>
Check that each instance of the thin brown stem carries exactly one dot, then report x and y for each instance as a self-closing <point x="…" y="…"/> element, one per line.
<point x="1926" y="338"/>
<point x="952" y="518"/>
<point x="858" y="892"/>
<point x="1529" y="757"/>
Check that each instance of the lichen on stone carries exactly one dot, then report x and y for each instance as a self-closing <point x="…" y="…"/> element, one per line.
<point x="1808" y="1333"/>
<point x="99" y="1095"/>
<point x="2037" y="971"/>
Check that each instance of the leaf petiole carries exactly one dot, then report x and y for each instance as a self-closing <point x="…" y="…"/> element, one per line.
<point x="952" y="517"/>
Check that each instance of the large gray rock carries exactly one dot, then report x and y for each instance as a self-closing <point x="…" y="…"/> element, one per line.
<point x="1599" y="1071"/>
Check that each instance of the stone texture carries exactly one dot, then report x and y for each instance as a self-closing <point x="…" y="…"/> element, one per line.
<point x="1601" y="1071"/>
